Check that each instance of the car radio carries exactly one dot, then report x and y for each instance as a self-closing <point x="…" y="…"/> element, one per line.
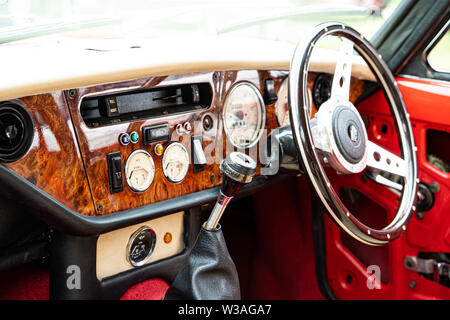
<point x="149" y="103"/>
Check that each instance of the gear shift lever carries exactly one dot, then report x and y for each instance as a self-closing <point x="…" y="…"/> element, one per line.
<point x="210" y="272"/>
<point x="238" y="169"/>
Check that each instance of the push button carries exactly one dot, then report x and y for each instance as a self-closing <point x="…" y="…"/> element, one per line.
<point x="134" y="137"/>
<point x="124" y="139"/>
<point x="115" y="172"/>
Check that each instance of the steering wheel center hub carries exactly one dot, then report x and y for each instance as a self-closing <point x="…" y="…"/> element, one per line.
<point x="339" y="132"/>
<point x="348" y="133"/>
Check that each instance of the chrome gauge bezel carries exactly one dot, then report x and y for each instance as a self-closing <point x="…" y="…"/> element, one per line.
<point x="130" y="242"/>
<point x="171" y="145"/>
<point x="127" y="178"/>
<point x="262" y="108"/>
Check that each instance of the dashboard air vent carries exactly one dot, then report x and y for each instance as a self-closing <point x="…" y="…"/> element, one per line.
<point x="16" y="131"/>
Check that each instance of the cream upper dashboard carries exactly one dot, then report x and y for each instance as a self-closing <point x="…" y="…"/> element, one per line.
<point x="55" y="63"/>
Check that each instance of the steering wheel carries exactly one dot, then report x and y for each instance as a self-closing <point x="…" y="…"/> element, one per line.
<point x="337" y="136"/>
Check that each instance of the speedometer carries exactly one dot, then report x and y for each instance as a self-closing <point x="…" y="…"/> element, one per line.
<point x="244" y="115"/>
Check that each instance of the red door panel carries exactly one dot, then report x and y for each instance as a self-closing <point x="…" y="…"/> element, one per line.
<point x="428" y="103"/>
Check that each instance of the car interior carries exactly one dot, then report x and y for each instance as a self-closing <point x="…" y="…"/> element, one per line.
<point x="222" y="166"/>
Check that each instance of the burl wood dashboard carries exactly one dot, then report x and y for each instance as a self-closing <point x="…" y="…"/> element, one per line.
<point x="68" y="159"/>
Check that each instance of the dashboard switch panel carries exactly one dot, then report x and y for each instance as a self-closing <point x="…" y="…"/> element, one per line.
<point x="198" y="156"/>
<point x="115" y="172"/>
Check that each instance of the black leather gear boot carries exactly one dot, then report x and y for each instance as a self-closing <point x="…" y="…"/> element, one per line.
<point x="210" y="273"/>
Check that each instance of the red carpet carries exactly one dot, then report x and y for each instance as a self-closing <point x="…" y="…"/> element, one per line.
<point x="271" y="243"/>
<point x="28" y="282"/>
<point x="153" y="289"/>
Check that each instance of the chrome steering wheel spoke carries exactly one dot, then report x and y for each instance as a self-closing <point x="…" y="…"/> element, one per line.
<point x="384" y="160"/>
<point x="343" y="72"/>
<point x="378" y="178"/>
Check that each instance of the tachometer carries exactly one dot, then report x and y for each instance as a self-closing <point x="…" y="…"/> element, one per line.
<point x="139" y="170"/>
<point x="244" y="115"/>
<point x="282" y="104"/>
<point x="175" y="162"/>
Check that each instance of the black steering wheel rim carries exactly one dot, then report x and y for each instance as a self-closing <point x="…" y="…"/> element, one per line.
<point x="308" y="157"/>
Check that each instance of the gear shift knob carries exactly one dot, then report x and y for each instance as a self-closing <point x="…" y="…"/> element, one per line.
<point x="238" y="169"/>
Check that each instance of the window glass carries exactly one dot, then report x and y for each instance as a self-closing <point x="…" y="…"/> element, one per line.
<point x="282" y="20"/>
<point x="438" y="58"/>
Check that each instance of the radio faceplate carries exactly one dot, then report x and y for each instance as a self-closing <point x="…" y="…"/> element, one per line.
<point x="144" y="103"/>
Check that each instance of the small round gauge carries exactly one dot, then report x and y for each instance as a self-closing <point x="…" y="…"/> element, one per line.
<point x="139" y="170"/>
<point x="244" y="115"/>
<point x="140" y="246"/>
<point x="282" y="104"/>
<point x="175" y="162"/>
<point x="321" y="89"/>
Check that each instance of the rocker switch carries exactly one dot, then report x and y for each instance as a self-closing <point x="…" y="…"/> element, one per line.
<point x="115" y="172"/>
<point x="198" y="156"/>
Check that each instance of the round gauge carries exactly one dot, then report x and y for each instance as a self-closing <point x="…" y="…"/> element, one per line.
<point x="282" y="104"/>
<point x="175" y="162"/>
<point x="139" y="170"/>
<point x="140" y="246"/>
<point x="244" y="115"/>
<point x="321" y="89"/>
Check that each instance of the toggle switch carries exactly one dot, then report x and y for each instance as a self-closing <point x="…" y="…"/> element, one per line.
<point x="198" y="156"/>
<point x="115" y="172"/>
<point x="270" y="94"/>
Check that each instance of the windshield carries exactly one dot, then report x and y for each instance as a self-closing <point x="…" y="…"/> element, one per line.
<point x="282" y="20"/>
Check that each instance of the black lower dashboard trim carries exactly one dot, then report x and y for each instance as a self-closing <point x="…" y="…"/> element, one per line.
<point x="68" y="221"/>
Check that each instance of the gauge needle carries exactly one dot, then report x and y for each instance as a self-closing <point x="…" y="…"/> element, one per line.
<point x="131" y="174"/>
<point x="234" y="117"/>
<point x="176" y="163"/>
